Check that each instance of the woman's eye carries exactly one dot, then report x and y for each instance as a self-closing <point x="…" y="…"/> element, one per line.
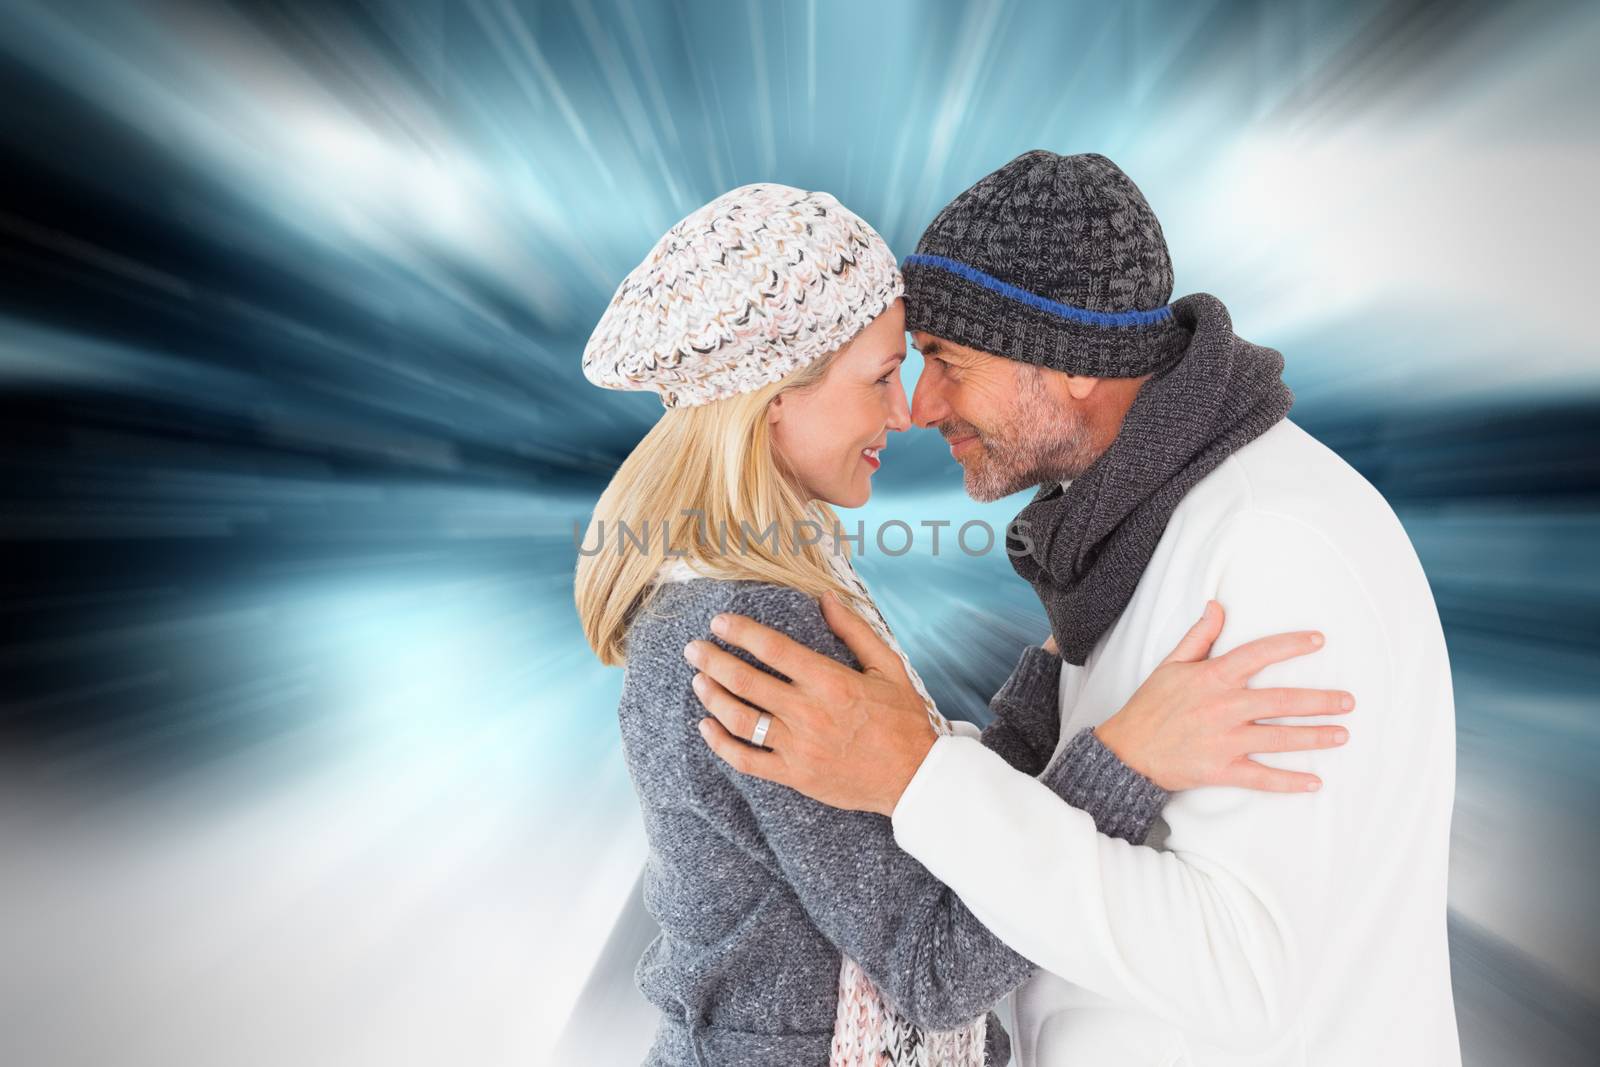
<point x="885" y="379"/>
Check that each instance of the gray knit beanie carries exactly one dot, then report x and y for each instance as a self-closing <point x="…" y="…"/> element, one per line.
<point x="1054" y="260"/>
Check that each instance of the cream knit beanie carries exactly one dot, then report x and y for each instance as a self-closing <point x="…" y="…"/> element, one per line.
<point x="752" y="286"/>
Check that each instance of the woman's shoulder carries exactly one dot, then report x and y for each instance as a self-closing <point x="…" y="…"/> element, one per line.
<point x="680" y="612"/>
<point x="683" y="608"/>
<point x="659" y="710"/>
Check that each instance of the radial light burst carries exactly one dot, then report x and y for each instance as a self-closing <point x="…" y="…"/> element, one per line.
<point x="303" y="758"/>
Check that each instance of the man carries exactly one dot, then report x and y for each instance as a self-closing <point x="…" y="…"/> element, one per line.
<point x="1264" y="927"/>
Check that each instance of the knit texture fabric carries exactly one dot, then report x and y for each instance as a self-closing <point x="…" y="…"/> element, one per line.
<point x="1087" y="542"/>
<point x="867" y="1030"/>
<point x="761" y="892"/>
<point x="754" y="285"/>
<point x="1054" y="260"/>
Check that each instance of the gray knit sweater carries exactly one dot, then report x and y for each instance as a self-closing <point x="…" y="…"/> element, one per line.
<point x="758" y="889"/>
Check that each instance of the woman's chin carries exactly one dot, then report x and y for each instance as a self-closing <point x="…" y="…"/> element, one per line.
<point x="852" y="497"/>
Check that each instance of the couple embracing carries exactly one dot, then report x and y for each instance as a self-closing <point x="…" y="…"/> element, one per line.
<point x="1209" y="820"/>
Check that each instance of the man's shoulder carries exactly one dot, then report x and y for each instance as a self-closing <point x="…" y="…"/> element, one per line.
<point x="1289" y="516"/>
<point x="1287" y="476"/>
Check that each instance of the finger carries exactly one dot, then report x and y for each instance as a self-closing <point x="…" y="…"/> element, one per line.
<point x="1293" y="738"/>
<point x="1196" y="644"/>
<point x="1248" y="774"/>
<point x="740" y="756"/>
<point x="778" y="651"/>
<point x="859" y="636"/>
<point x="1271" y="703"/>
<point x="740" y="678"/>
<point x="734" y="714"/>
<point x="1251" y="657"/>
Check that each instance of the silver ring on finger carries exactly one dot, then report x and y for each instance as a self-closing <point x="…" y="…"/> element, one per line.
<point x="758" y="736"/>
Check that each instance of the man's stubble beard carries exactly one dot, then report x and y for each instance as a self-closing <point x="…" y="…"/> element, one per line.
<point x="1036" y="443"/>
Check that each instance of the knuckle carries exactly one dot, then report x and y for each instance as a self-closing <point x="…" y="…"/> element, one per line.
<point x="755" y="642"/>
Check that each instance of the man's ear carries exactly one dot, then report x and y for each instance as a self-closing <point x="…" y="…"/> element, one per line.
<point x="1080" y="386"/>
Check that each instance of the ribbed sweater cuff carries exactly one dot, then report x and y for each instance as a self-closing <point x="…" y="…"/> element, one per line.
<point x="1035" y="681"/>
<point x="1088" y="775"/>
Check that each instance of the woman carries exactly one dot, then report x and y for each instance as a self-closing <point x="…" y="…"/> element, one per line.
<point x="770" y="323"/>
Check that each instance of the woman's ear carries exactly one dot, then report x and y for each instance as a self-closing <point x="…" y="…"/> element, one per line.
<point x="775" y="410"/>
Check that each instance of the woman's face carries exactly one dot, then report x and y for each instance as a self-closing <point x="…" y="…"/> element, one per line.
<point x="830" y="434"/>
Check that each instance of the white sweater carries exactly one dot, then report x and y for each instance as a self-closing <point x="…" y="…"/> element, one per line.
<point x="1263" y="928"/>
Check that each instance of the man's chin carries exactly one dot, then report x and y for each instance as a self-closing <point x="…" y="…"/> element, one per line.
<point x="979" y="486"/>
<point x="984" y="488"/>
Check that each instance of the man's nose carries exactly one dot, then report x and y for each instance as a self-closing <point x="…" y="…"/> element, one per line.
<point x="899" y="414"/>
<point x="928" y="407"/>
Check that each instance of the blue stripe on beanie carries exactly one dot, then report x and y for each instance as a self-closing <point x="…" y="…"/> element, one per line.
<point x="1053" y="307"/>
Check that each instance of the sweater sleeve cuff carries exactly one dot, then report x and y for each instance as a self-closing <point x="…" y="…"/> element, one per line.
<point x="1035" y="681"/>
<point x="1088" y="775"/>
<point x="920" y="799"/>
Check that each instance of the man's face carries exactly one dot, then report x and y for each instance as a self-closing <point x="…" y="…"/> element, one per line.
<point x="1008" y="424"/>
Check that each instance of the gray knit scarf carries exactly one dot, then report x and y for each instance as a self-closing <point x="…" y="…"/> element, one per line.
<point x="1092" y="540"/>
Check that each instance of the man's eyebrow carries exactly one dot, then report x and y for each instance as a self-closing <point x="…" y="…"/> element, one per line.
<point x="932" y="348"/>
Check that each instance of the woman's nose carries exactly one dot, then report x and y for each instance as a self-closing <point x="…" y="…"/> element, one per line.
<point x="899" y="412"/>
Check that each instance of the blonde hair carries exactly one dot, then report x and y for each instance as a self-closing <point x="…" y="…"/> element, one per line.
<point x="716" y="463"/>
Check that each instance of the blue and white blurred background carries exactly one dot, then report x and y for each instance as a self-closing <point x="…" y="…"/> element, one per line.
<point x="302" y="757"/>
